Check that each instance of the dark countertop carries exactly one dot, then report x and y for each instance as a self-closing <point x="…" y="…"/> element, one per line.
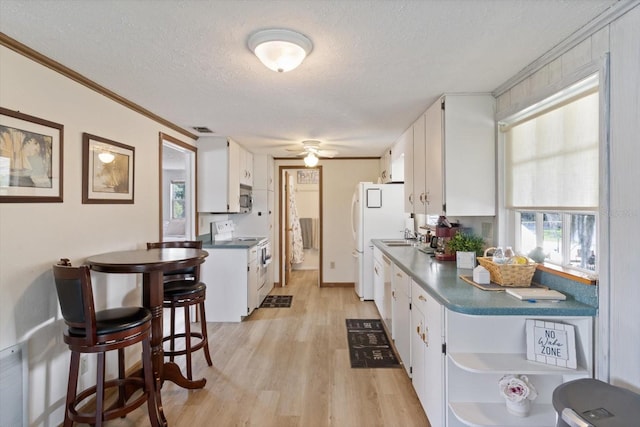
<point x="441" y="280"/>
<point x="236" y="243"/>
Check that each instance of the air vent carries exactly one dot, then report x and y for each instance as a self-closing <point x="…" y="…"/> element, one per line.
<point x="202" y="129"/>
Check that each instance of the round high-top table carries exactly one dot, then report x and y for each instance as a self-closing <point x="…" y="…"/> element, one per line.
<point x="152" y="263"/>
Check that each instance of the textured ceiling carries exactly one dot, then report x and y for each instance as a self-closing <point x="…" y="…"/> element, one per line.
<point x="375" y="66"/>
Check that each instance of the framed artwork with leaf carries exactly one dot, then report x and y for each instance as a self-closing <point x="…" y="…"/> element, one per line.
<point x="31" y="152"/>
<point x="107" y="170"/>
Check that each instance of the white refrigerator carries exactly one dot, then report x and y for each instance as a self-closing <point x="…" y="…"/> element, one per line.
<point x="377" y="212"/>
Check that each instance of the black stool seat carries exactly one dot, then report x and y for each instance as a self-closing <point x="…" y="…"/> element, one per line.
<point x="116" y="320"/>
<point x="183" y="288"/>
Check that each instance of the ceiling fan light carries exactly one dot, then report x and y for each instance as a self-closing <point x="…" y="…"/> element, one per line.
<point x="311" y="160"/>
<point x="280" y="50"/>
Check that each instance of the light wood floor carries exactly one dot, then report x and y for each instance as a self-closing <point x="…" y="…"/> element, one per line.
<point x="290" y="367"/>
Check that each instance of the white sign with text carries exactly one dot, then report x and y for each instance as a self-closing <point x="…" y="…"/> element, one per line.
<point x="551" y="343"/>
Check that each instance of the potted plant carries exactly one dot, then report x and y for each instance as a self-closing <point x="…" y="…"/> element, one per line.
<point x="466" y="247"/>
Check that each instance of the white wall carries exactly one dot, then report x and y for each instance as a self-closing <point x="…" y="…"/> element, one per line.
<point x="618" y="345"/>
<point x="339" y="179"/>
<point x="35" y="235"/>
<point x="307" y="200"/>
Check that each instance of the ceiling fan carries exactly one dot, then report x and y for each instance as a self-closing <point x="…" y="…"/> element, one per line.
<point x="312" y="152"/>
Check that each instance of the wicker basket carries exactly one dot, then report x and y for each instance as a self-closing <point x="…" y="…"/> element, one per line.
<point x="513" y="275"/>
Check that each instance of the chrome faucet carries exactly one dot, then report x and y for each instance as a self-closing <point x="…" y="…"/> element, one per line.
<point x="410" y="235"/>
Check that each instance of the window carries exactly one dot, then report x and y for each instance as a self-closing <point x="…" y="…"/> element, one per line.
<point x="177" y="200"/>
<point x="551" y="176"/>
<point x="566" y="238"/>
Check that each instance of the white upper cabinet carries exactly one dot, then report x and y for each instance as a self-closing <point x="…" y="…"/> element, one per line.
<point x="385" y="166"/>
<point x="397" y="161"/>
<point x="460" y="163"/>
<point x="219" y="175"/>
<point x="409" y="198"/>
<point x="263" y="169"/>
<point x="245" y="167"/>
<point x="433" y="186"/>
<point x="419" y="169"/>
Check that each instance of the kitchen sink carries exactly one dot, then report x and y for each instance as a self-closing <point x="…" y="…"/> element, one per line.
<point x="397" y="241"/>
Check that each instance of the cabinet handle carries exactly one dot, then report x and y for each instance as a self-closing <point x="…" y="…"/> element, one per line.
<point x="421" y="298"/>
<point x="393" y="294"/>
<point x="418" y="329"/>
<point x="399" y="275"/>
<point x="411" y="198"/>
<point x="375" y="269"/>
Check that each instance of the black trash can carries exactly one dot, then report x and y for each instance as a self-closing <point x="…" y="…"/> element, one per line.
<point x="593" y="403"/>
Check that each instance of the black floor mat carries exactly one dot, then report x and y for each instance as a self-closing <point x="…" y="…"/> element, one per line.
<point x="369" y="346"/>
<point x="277" y="301"/>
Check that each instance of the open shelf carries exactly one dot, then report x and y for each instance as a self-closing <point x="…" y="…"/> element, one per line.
<point x="508" y="363"/>
<point x="476" y="414"/>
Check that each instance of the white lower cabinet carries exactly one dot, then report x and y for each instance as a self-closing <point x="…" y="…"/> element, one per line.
<point x="378" y="281"/>
<point x="427" y="357"/>
<point x="458" y="359"/>
<point x="401" y="313"/>
<point x="231" y="276"/>
<point x="481" y="349"/>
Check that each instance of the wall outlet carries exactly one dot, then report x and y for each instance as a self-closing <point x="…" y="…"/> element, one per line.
<point x="332" y="264"/>
<point x="84" y="365"/>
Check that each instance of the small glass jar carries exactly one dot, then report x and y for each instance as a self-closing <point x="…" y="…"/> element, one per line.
<point x="498" y="255"/>
<point x="508" y="252"/>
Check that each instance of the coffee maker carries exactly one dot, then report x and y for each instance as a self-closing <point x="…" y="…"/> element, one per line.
<point x="442" y="236"/>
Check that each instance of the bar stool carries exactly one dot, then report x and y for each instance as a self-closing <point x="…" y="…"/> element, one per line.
<point x="98" y="332"/>
<point x="183" y="288"/>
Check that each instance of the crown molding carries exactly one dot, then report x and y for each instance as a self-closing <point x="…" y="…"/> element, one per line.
<point x="41" y="59"/>
<point x="605" y="18"/>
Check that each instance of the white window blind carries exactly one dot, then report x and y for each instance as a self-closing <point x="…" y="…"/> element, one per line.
<point x="551" y="154"/>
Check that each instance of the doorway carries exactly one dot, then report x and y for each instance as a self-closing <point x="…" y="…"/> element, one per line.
<point x="177" y="189"/>
<point x="300" y="221"/>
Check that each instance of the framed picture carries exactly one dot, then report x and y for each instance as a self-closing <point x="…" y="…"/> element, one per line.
<point x="31" y="151"/>
<point x="308" y="176"/>
<point x="107" y="170"/>
<point x="551" y="343"/>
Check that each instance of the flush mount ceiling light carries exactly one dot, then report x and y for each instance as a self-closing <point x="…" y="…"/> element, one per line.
<point x="279" y="49"/>
<point x="311" y="160"/>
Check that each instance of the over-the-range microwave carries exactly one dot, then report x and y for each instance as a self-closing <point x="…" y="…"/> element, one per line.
<point x="246" y="199"/>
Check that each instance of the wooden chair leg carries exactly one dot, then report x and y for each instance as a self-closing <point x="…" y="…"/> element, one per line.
<point x="172" y="341"/>
<point x="187" y="339"/>
<point x="205" y="336"/>
<point x="121" y="375"/>
<point x="100" y="390"/>
<point x="147" y="370"/>
<point x="72" y="386"/>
